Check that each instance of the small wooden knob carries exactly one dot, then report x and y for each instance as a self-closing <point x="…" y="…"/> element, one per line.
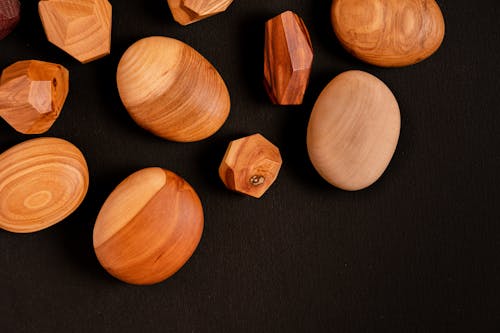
<point x="171" y="90"/>
<point x="82" y="28"/>
<point x="288" y="57"/>
<point x="32" y="94"/>
<point x="389" y="33"/>
<point x="10" y="11"/>
<point x="149" y="227"/>
<point x="42" y="181"/>
<point x="189" y="11"/>
<point x="250" y="165"/>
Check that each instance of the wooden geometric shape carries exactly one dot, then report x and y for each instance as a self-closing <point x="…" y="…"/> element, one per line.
<point x="250" y="165"/>
<point x="288" y="57"/>
<point x="32" y="94"/>
<point x="190" y="11"/>
<point x="149" y="227"/>
<point x="389" y="33"/>
<point x="42" y="181"/>
<point x="9" y="16"/>
<point x="82" y="28"/>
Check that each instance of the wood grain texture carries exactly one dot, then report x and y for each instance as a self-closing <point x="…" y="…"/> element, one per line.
<point x="10" y="13"/>
<point x="353" y="130"/>
<point x="288" y="57"/>
<point x="171" y="90"/>
<point x="250" y="165"/>
<point x="82" y="28"/>
<point x="42" y="181"/>
<point x="389" y="33"/>
<point x="149" y="227"/>
<point x="32" y="94"/>
<point x="189" y="11"/>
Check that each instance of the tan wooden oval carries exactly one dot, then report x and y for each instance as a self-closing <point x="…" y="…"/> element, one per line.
<point x="353" y="130"/>
<point x="389" y="33"/>
<point x="171" y="90"/>
<point x="149" y="227"/>
<point x="42" y="181"/>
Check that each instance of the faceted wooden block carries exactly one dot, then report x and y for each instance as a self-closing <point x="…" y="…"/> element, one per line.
<point x="250" y="165"/>
<point x="9" y="16"/>
<point x="32" y="94"/>
<point x="189" y="11"/>
<point x="288" y="57"/>
<point x="82" y="28"/>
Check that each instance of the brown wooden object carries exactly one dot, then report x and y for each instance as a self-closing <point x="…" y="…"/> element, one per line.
<point x="171" y="90"/>
<point x="82" y="28"/>
<point x="10" y="11"/>
<point x="149" y="227"/>
<point x="288" y="57"/>
<point x="32" y="94"/>
<point x="42" y="181"/>
<point x="250" y="165"/>
<point x="353" y="130"/>
<point x="189" y="11"/>
<point x="389" y="33"/>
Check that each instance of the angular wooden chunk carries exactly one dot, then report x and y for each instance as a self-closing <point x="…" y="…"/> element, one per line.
<point x="250" y="165"/>
<point x="189" y="11"/>
<point x="32" y="94"/>
<point x="288" y="57"/>
<point x="82" y="28"/>
<point x="9" y="16"/>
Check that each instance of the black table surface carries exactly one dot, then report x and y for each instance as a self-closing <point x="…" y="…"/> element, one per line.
<point x="416" y="252"/>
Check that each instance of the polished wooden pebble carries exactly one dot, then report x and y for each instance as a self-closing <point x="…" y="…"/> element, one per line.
<point x="42" y="181"/>
<point x="10" y="11"/>
<point x="32" y="94"/>
<point x="82" y="28"/>
<point x="288" y="57"/>
<point x="171" y="90"/>
<point x="250" y="165"/>
<point x="389" y="33"/>
<point x="149" y="227"/>
<point x="189" y="11"/>
<point x="353" y="130"/>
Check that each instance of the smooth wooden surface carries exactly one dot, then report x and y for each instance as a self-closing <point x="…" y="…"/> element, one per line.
<point x="82" y="28"/>
<point x="10" y="13"/>
<point x="42" y="181"/>
<point x="149" y="227"/>
<point x="288" y="57"/>
<point x="389" y="33"/>
<point x="250" y="165"/>
<point x="171" y="90"/>
<point x="190" y="11"/>
<point x="353" y="130"/>
<point x="32" y="94"/>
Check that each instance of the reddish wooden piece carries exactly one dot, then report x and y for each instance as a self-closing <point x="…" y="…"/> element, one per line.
<point x="288" y="57"/>
<point x="9" y="16"/>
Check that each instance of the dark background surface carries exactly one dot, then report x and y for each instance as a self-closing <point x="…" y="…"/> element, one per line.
<point x="416" y="252"/>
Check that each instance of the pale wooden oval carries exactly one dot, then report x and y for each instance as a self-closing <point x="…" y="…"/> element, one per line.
<point x="149" y="227"/>
<point x="42" y="181"/>
<point x="171" y="90"/>
<point x="353" y="130"/>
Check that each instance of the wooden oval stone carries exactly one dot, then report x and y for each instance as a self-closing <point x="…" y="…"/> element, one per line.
<point x="42" y="181"/>
<point x="353" y="130"/>
<point x="389" y="33"/>
<point x="149" y="226"/>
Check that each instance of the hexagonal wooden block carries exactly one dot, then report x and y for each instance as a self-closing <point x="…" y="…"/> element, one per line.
<point x="32" y="94"/>
<point x="82" y="28"/>
<point x="189" y="11"/>
<point x="9" y="16"/>
<point x="250" y="165"/>
<point x="288" y="57"/>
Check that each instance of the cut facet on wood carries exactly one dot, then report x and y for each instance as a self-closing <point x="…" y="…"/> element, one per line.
<point x="82" y="28"/>
<point x="189" y="11"/>
<point x="288" y="57"/>
<point x="9" y="16"/>
<point x="32" y="94"/>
